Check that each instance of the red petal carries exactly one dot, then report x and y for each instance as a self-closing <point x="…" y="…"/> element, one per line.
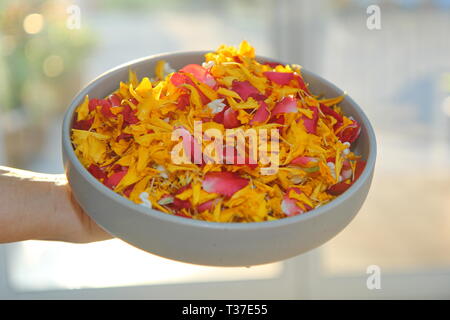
<point x="106" y="108"/>
<point x="208" y="205"/>
<point x="350" y="133"/>
<point x="183" y="102"/>
<point x="287" y="105"/>
<point x="83" y="124"/>
<point x="303" y="161"/>
<point x="128" y="115"/>
<point x="281" y="78"/>
<point x="97" y="172"/>
<point x="338" y="188"/>
<point x="178" y="79"/>
<point x="179" y="204"/>
<point x="311" y="124"/>
<point x="93" y="103"/>
<point x="245" y="90"/>
<point x="127" y="191"/>
<point x="224" y="183"/>
<point x="200" y="73"/>
<point x="279" y="120"/>
<point x="328" y="111"/>
<point x="230" y="119"/>
<point x="262" y="114"/>
<point x="115" y="178"/>
<point x="301" y="83"/>
<point x="360" y="165"/>
<point x="219" y="117"/>
<point x="115" y="100"/>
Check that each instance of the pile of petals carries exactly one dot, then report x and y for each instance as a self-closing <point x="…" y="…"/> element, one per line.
<point x="124" y="140"/>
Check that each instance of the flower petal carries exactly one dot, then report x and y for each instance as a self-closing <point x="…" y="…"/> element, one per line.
<point x="200" y="73"/>
<point x="281" y="78"/>
<point x="287" y="105"/>
<point x="230" y="119"/>
<point x="245" y="90"/>
<point x="224" y="183"/>
<point x="262" y="114"/>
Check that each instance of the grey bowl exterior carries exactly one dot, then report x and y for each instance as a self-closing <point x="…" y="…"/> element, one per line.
<point x="209" y="243"/>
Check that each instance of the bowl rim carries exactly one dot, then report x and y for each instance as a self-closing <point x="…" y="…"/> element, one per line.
<point x="168" y="218"/>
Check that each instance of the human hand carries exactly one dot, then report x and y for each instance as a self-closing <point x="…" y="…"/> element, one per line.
<point x="36" y="206"/>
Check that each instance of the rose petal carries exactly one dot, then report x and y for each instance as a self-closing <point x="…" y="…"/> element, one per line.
<point x="208" y="205"/>
<point x="303" y="161"/>
<point x="200" y="73"/>
<point x="289" y="205"/>
<point x="97" y="172"/>
<point x="287" y="105"/>
<point x="115" y="100"/>
<point x="281" y="78"/>
<point x="338" y="188"/>
<point x="178" y="79"/>
<point x="328" y="111"/>
<point x="262" y="114"/>
<point x="83" y="124"/>
<point x="230" y="119"/>
<point x="350" y="133"/>
<point x="301" y="83"/>
<point x="245" y="90"/>
<point x="113" y="180"/>
<point x="359" y="168"/>
<point x="224" y="183"/>
<point x="311" y="124"/>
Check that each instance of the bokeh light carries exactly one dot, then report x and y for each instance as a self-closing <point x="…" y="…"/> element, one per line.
<point x="53" y="66"/>
<point x="33" y="23"/>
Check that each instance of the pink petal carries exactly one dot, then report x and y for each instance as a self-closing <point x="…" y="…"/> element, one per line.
<point x="245" y="90"/>
<point x="230" y="119"/>
<point x="281" y="78"/>
<point x="303" y="161"/>
<point x="287" y="105"/>
<point x="262" y="114"/>
<point x="311" y="124"/>
<point x="208" y="205"/>
<point x="289" y="205"/>
<point x="224" y="183"/>
<point x="200" y="73"/>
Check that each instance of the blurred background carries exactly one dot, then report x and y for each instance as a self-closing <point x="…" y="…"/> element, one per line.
<point x="397" y="69"/>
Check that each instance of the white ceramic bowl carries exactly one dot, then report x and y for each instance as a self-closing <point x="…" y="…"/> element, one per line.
<point x="210" y="243"/>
